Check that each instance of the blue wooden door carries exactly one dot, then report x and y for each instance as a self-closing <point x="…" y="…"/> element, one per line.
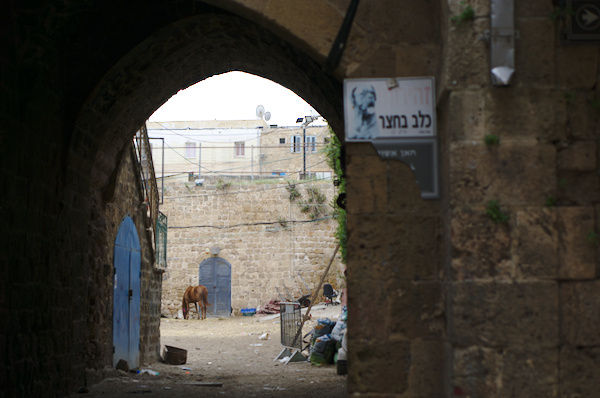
<point x="126" y="295"/>
<point x="215" y="275"/>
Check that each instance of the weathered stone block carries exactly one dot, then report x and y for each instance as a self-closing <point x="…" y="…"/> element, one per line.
<point x="416" y="60"/>
<point x="579" y="369"/>
<point x="580" y="316"/>
<point x="584" y="115"/>
<point x="467" y="61"/>
<point x="363" y="314"/>
<point x="577" y="67"/>
<point x="535" y="248"/>
<point x="494" y="314"/>
<point x="578" y="156"/>
<point x="533" y="8"/>
<point x="480" y="173"/>
<point x="403" y="191"/>
<point x="415" y="310"/>
<point x="403" y="252"/>
<point x="576" y="252"/>
<point x="534" y="52"/>
<point x="379" y="366"/>
<point x="525" y="114"/>
<point x="466" y="116"/>
<point x="481" y="7"/>
<point x="577" y="188"/>
<point x="520" y="371"/>
<point x="480" y="248"/>
<point x="426" y="371"/>
<point x="366" y="196"/>
<point x="464" y="183"/>
<point x="380" y="62"/>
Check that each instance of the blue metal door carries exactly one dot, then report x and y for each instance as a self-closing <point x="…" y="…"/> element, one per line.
<point x="215" y="275"/>
<point x="126" y="295"/>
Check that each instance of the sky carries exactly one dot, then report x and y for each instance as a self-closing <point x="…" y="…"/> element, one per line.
<point x="234" y="96"/>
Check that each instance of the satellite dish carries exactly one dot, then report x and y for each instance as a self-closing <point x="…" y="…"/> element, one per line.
<point x="267" y="116"/>
<point x="260" y="111"/>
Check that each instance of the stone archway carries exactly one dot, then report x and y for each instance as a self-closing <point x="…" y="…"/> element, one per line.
<point x="106" y="66"/>
<point x="206" y="45"/>
<point x="200" y="46"/>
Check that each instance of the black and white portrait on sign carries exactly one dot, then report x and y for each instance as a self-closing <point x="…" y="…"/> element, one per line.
<point x="363" y="104"/>
<point x="384" y="108"/>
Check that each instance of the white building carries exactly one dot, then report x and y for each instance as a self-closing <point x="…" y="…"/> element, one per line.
<point x="249" y="149"/>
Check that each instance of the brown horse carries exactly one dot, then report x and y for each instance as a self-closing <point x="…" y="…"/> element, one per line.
<point x="195" y="295"/>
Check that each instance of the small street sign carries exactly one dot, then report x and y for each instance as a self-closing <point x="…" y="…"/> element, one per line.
<point x="584" y="20"/>
<point x="420" y="155"/>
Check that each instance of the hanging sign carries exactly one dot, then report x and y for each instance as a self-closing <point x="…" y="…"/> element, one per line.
<point x="397" y="115"/>
<point x="388" y="108"/>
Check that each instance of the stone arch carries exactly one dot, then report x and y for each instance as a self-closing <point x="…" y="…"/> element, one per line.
<point x="193" y="48"/>
<point x="205" y="45"/>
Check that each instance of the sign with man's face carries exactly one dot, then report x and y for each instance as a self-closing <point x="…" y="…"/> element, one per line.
<point x="388" y="108"/>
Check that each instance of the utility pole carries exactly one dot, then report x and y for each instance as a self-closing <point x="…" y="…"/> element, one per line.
<point x="307" y="120"/>
<point x="304" y="149"/>
<point x="199" y="160"/>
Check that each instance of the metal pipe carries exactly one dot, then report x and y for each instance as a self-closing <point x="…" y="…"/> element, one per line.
<point x="502" y="60"/>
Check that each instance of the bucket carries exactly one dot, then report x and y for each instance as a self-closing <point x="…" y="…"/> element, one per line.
<point x="174" y="355"/>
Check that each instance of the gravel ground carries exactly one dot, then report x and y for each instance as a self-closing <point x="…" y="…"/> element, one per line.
<point x="227" y="358"/>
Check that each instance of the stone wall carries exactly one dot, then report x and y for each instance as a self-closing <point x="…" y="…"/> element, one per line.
<point x="443" y="301"/>
<point x="263" y="234"/>
<point x="126" y="199"/>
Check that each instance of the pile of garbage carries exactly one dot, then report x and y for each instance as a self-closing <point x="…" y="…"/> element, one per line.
<point x="328" y="342"/>
<point x="272" y="307"/>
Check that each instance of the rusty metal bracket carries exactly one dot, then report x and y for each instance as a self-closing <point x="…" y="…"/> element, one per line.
<point x="337" y="49"/>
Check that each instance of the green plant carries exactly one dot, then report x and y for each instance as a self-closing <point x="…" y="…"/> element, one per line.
<point x="282" y="221"/>
<point x="593" y="238"/>
<point x="467" y="14"/>
<point x="222" y="185"/>
<point x="314" y="206"/>
<point x="550" y="201"/>
<point x="495" y="214"/>
<point x="562" y="183"/>
<point x="491" y="139"/>
<point x="293" y="191"/>
<point x="333" y="150"/>
<point x="569" y="96"/>
<point x="560" y="13"/>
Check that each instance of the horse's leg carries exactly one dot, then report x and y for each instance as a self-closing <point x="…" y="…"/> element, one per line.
<point x="197" y="312"/>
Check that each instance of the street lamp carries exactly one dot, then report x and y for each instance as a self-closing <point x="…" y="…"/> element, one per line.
<point x="307" y="120"/>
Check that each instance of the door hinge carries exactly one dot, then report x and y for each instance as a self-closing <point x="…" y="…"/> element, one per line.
<point x="130" y="294"/>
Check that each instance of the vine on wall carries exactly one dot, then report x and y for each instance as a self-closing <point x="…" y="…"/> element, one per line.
<point x="333" y="150"/>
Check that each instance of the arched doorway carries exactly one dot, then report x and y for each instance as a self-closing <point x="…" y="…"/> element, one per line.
<point x="126" y="295"/>
<point x="215" y="275"/>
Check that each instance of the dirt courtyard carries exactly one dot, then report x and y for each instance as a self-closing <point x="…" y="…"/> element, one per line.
<point x="227" y="358"/>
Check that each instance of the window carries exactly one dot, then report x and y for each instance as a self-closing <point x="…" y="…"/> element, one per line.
<point x="190" y="149"/>
<point x="297" y="144"/>
<point x="282" y="140"/>
<point x="311" y="144"/>
<point x="239" y="149"/>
